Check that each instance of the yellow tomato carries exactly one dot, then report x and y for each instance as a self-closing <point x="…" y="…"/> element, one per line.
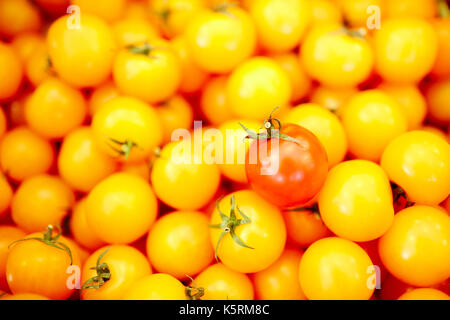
<point x="419" y="162"/>
<point x="331" y="98"/>
<point x="356" y="12"/>
<point x="336" y="269"/>
<point x="424" y="294"/>
<point x="38" y="67"/>
<point x="222" y="283"/>
<point x="157" y="286"/>
<point x="18" y="16"/>
<point x="11" y="72"/>
<point x="214" y="101"/>
<point x="371" y="120"/>
<point x="109" y="10"/>
<point x="26" y="43"/>
<point x="141" y="169"/>
<point x="325" y="125"/>
<point x="256" y="87"/>
<point x="101" y="95"/>
<point x="437" y="96"/>
<point x="424" y="9"/>
<point x="175" y="113"/>
<point x="130" y="32"/>
<point x="325" y="11"/>
<point x="416" y="249"/>
<point x="8" y="234"/>
<point x="25" y="296"/>
<point x="121" y="208"/>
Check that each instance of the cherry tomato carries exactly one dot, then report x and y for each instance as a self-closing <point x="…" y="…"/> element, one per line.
<point x="157" y="286"/>
<point x="335" y="57"/>
<point x="214" y="101"/>
<point x="405" y="50"/>
<point x="26" y="43"/>
<point x="256" y="87"/>
<point x="11" y="72"/>
<point x="127" y="129"/>
<point x="371" y="120"/>
<point x="149" y="71"/>
<point x="437" y="94"/>
<point x="325" y="11"/>
<point x="38" y="67"/>
<point x="39" y="201"/>
<point x="32" y="263"/>
<point x="335" y="268"/>
<point x="114" y="270"/>
<point x="101" y="95"/>
<point x="424" y="9"/>
<point x="55" y="109"/>
<point x="109" y="10"/>
<point x="280" y="280"/>
<point x="18" y="147"/>
<point x="222" y="283"/>
<point x="175" y="113"/>
<point x="183" y="180"/>
<point x="82" y="56"/>
<point x="141" y="169"/>
<point x="424" y="294"/>
<point x="419" y="162"/>
<point x="6" y="194"/>
<point x="242" y="220"/>
<point x="221" y="39"/>
<point x="355" y="12"/>
<point x="131" y="32"/>
<point x="280" y="25"/>
<point x="416" y="249"/>
<point x="276" y="166"/>
<point x="178" y="244"/>
<point x="442" y="64"/>
<point x="8" y="234"/>
<point x="332" y="99"/>
<point x="121" y="208"/>
<point x="18" y="16"/>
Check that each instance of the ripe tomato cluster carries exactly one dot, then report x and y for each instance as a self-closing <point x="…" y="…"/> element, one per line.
<point x="335" y="186"/>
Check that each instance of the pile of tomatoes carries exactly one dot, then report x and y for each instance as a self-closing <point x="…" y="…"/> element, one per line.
<point x="349" y="97"/>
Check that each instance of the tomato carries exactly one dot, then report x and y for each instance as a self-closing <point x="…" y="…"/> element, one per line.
<point x="8" y="234"/>
<point x="26" y="43"/>
<point x="18" y="16"/>
<point x="371" y="120"/>
<point x="325" y="126"/>
<point x="419" y="162"/>
<point x="183" y="180"/>
<point x="304" y="226"/>
<point x="157" y="286"/>
<point x="127" y="129"/>
<point x="3" y="124"/>
<point x="424" y="294"/>
<point x="300" y="81"/>
<point x="280" y="25"/>
<point x="175" y="113"/>
<point x="325" y="11"/>
<point x="436" y="96"/>
<point x="416" y="249"/>
<point x="172" y="16"/>
<point x="80" y="229"/>
<point x="193" y="77"/>
<point x="256" y="87"/>
<point x="80" y="162"/>
<point x="221" y="39"/>
<point x="335" y="57"/>
<point x="25" y="296"/>
<point x="276" y="166"/>
<point x="248" y="232"/>
<point x="222" y="283"/>
<point x="280" y="280"/>
<point x="109" y="10"/>
<point x="11" y="72"/>
<point x="55" y="109"/>
<point x="39" y="201"/>
<point x="405" y="50"/>
<point x="81" y="56"/>
<point x="424" y="9"/>
<point x="32" y="263"/>
<point x="111" y="271"/>
<point x="38" y="67"/>
<point x="213" y="101"/>
<point x="18" y="147"/>
<point x="355" y="11"/>
<point x="335" y="268"/>
<point x="442" y="64"/>
<point x="141" y="169"/>
<point x="6" y="194"/>
<point x="131" y="32"/>
<point x="178" y="244"/>
<point x="121" y="208"/>
<point x="101" y="95"/>
<point x="332" y="99"/>
<point x="411" y="102"/>
<point x="150" y="71"/>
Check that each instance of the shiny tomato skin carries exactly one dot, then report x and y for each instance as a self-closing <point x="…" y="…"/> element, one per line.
<point x="303" y="167"/>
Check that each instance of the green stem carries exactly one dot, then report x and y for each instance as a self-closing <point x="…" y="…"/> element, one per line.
<point x="103" y="274"/>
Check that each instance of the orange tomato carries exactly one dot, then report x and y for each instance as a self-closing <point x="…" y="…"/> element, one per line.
<point x="437" y="96"/>
<point x="11" y="72"/>
<point x="25" y="296"/>
<point x="18" y="16"/>
<point x="141" y="169"/>
<point x="6" y="193"/>
<point x="3" y="123"/>
<point x="442" y="64"/>
<point x="214" y="101"/>
<point x="8" y="234"/>
<point x="101" y="95"/>
<point x="109" y="10"/>
<point x="26" y="43"/>
<point x="424" y="294"/>
<point x="175" y="113"/>
<point x="38" y="67"/>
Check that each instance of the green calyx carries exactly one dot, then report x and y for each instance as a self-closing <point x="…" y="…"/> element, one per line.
<point x="50" y="240"/>
<point x="194" y="292"/>
<point x="229" y="225"/>
<point x="144" y="49"/>
<point x="399" y="196"/>
<point x="123" y="148"/>
<point x="223" y="8"/>
<point x="103" y="274"/>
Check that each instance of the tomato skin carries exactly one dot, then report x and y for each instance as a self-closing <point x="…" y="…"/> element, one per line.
<point x="25" y="296"/>
<point x="325" y="11"/>
<point x="8" y="234"/>
<point x="303" y="165"/>
<point x="6" y="194"/>
<point x="213" y="101"/>
<point x="424" y="9"/>
<point x="222" y="283"/>
<point x="412" y="158"/>
<point x="158" y="286"/>
<point x="11" y="73"/>
<point x="331" y="98"/>
<point x="41" y="200"/>
<point x="266" y="233"/>
<point x="436" y="95"/>
<point x="424" y="294"/>
<point x="356" y="201"/>
<point x="175" y="113"/>
<point x="442" y="64"/>
<point x="108" y="10"/>
<point x="335" y="268"/>
<point x="416" y="249"/>
<point x="121" y="208"/>
<point x="355" y="11"/>
<point x="280" y="280"/>
<point x="126" y="265"/>
<point x="83" y="57"/>
<point x="178" y="244"/>
<point x="32" y="263"/>
<point x="18" y="16"/>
